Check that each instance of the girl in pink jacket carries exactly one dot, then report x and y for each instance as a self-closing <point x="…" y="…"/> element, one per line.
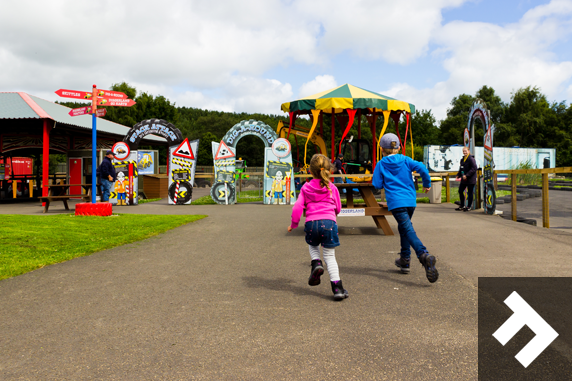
<point x="321" y="200"/>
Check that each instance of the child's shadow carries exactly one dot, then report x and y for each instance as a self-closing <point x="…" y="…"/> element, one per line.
<point x="281" y="284"/>
<point x="384" y="274"/>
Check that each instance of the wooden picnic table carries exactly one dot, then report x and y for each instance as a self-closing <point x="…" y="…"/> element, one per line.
<point x="60" y="192"/>
<point x="377" y="210"/>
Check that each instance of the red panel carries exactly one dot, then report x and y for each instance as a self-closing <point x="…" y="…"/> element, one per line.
<point x="98" y="209"/>
<point x="76" y="169"/>
<point x="22" y="166"/>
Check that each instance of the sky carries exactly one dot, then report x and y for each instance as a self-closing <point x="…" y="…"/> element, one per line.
<point x="253" y="55"/>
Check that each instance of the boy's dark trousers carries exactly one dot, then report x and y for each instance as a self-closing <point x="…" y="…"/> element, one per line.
<point x="408" y="236"/>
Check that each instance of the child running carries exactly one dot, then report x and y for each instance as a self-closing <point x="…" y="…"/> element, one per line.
<point x="393" y="173"/>
<point x="322" y="203"/>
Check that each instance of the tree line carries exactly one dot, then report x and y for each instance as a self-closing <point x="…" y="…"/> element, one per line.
<point x="528" y="120"/>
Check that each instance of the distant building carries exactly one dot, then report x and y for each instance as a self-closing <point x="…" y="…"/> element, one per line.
<point x="447" y="158"/>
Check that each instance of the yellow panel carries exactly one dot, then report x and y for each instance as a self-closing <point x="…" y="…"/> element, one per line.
<point x="285" y="107"/>
<point x="318" y="95"/>
<point x="359" y="93"/>
<point x="337" y="103"/>
<point x="398" y="105"/>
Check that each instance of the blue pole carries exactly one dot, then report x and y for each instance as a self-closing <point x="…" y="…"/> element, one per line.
<point x="93" y="156"/>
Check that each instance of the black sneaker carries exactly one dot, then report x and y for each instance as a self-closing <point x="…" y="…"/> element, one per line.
<point x="460" y="208"/>
<point x="428" y="261"/>
<point x="317" y="271"/>
<point x="403" y="264"/>
<point x="338" y="289"/>
<point x="466" y="209"/>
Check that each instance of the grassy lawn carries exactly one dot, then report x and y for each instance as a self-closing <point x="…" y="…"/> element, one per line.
<point x="31" y="242"/>
<point x="244" y="196"/>
<point x="148" y="200"/>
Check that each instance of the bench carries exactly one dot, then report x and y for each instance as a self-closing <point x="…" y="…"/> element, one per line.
<point x="47" y="199"/>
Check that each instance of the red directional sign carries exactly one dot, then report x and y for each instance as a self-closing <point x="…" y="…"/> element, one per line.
<point x="111" y="94"/>
<point x="115" y="102"/>
<point x="74" y="94"/>
<point x="87" y="110"/>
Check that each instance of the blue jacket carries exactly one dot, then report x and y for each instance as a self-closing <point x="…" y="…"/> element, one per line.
<point x="394" y="174"/>
<point x="106" y="168"/>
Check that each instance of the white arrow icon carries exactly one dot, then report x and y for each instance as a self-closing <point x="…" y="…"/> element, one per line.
<point x="523" y="315"/>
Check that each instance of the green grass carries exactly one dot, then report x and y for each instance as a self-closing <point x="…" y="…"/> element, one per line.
<point x="148" y="200"/>
<point x="31" y="242"/>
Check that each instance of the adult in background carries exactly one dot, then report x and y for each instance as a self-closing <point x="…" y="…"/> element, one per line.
<point x="468" y="176"/>
<point x="338" y="168"/>
<point x="107" y="174"/>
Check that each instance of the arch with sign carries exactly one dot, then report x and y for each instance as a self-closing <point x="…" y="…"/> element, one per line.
<point x="480" y="112"/>
<point x="224" y="156"/>
<point x="181" y="161"/>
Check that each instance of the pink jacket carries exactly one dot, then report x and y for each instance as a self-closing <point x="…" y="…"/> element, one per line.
<point x="319" y="203"/>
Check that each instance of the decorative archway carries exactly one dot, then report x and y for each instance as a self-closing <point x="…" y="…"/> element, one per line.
<point x="181" y="161"/>
<point x="479" y="111"/>
<point x="223" y="190"/>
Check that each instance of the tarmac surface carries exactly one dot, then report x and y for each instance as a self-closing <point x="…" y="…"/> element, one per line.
<point x="226" y="298"/>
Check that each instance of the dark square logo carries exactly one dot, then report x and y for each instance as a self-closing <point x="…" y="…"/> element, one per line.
<point x="525" y="329"/>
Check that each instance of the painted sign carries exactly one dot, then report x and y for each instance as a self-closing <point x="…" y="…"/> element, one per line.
<point x="111" y="94"/>
<point x="158" y="127"/>
<point x="479" y="111"/>
<point x="184" y="150"/>
<point x="182" y="165"/>
<point x="87" y="110"/>
<point x="145" y="162"/>
<point x="121" y="150"/>
<point x="360" y="212"/>
<point x="115" y="102"/>
<point x="278" y="171"/>
<point x="281" y="147"/>
<point x="223" y="152"/>
<point x="124" y="188"/>
<point x="75" y="94"/>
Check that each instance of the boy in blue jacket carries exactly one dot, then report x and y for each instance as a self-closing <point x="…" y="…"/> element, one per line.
<point x="394" y="174"/>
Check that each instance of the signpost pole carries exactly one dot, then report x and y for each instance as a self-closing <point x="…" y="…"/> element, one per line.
<point x="93" y="146"/>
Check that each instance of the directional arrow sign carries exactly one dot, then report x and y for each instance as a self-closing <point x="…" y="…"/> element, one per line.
<point x="80" y="111"/>
<point x="115" y="102"/>
<point x="74" y="94"/>
<point x="111" y="94"/>
<point x="87" y="110"/>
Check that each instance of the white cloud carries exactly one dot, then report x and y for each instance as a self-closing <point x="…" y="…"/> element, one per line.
<point x="318" y="84"/>
<point x="505" y="58"/>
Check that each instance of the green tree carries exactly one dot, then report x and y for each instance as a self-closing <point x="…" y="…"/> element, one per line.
<point x="205" y="156"/>
<point x="527" y="113"/>
<point x="454" y="124"/>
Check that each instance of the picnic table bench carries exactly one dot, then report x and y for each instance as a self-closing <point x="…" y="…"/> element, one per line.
<point x="59" y="192"/>
<point x="371" y="207"/>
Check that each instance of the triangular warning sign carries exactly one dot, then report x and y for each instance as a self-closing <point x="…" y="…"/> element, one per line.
<point x="223" y="151"/>
<point x="184" y="150"/>
<point x="488" y="141"/>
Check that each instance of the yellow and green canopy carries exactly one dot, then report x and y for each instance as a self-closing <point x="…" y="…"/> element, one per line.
<point x="347" y="97"/>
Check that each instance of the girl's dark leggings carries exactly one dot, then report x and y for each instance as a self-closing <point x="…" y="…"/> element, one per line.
<point x="470" y="188"/>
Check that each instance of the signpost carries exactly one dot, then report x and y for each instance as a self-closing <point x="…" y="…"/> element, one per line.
<point x="101" y="98"/>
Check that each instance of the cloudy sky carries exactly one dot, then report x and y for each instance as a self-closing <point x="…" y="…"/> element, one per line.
<point x="253" y="55"/>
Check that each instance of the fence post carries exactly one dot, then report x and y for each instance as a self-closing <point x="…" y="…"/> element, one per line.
<point x="545" y="202"/>
<point x="513" y="195"/>
<point x="447" y="188"/>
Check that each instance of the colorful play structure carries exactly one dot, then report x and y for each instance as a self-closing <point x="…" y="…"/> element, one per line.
<point x="347" y="102"/>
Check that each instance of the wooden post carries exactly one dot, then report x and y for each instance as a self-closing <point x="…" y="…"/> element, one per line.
<point x="447" y="188"/>
<point x="333" y="133"/>
<point x="513" y="195"/>
<point x="545" y="202"/>
<point x="374" y="141"/>
<point x="45" y="158"/>
<point x="359" y="124"/>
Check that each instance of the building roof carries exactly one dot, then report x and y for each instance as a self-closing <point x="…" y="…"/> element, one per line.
<point x="20" y="105"/>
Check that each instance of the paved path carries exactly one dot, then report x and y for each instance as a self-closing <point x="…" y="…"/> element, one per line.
<point x="226" y="298"/>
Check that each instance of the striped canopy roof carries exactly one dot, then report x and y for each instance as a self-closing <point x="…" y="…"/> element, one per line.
<point x="347" y="97"/>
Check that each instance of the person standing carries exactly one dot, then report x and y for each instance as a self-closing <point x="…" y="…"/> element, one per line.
<point x="468" y="176"/>
<point x="107" y="175"/>
<point x="338" y="168"/>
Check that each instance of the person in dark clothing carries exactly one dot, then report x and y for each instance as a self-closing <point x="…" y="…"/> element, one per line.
<point x="338" y="168"/>
<point x="468" y="176"/>
<point x="107" y="174"/>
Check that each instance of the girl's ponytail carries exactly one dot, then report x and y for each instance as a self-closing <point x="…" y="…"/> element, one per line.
<point x="320" y="167"/>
